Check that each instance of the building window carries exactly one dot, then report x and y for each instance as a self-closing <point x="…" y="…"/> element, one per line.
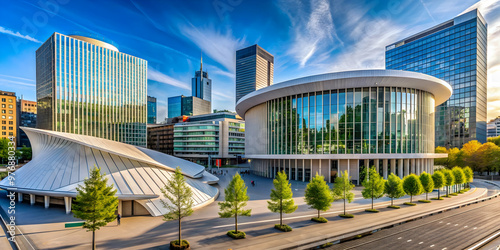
<point x="4" y="128"/>
<point x="10" y="112"/>
<point x="11" y="133"/>
<point x="10" y="128"/>
<point x="4" y="133"/>
<point x="10" y="100"/>
<point x="10" y="106"/>
<point x="3" y="99"/>
<point x="10" y="122"/>
<point x="10" y="117"/>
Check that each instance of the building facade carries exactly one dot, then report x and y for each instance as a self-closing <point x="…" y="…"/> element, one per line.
<point x="343" y="121"/>
<point x="161" y="138"/>
<point x="86" y="86"/>
<point x="151" y="110"/>
<point x="26" y="113"/>
<point x="454" y="51"/>
<point x="187" y="105"/>
<point x="201" y="85"/>
<point x="494" y="127"/>
<point x="9" y="114"/>
<point x="254" y="70"/>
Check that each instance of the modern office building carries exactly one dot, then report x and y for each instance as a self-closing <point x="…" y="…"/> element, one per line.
<point x="86" y="86"/>
<point x="61" y="162"/>
<point x="254" y="70"/>
<point x="210" y="137"/>
<point x="454" y="51"/>
<point x="151" y="110"/>
<point x="26" y="113"/>
<point x="187" y="105"/>
<point x="161" y="138"/>
<point x="9" y="114"/>
<point x="344" y="121"/>
<point x="201" y="85"/>
<point x="494" y="127"/>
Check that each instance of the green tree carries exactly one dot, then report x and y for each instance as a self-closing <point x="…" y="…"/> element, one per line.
<point x="373" y="185"/>
<point x="281" y="197"/>
<point x="96" y="202"/>
<point x="4" y="149"/>
<point x="469" y="175"/>
<point x="495" y="140"/>
<point x="459" y="176"/>
<point x="469" y="157"/>
<point x="412" y="186"/>
<point x="25" y="153"/>
<point x="393" y="188"/>
<point x="318" y="195"/>
<point x="180" y="197"/>
<point x="342" y="189"/>
<point x="487" y="158"/>
<point x="449" y="180"/>
<point x="235" y="201"/>
<point x="427" y="184"/>
<point x="439" y="181"/>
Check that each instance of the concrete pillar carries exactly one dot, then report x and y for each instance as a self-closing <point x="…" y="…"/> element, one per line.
<point x="319" y="160"/>
<point x="67" y="204"/>
<point x="393" y="166"/>
<point x="348" y="167"/>
<point x="432" y="165"/>
<point x="19" y="197"/>
<point x="303" y="170"/>
<point x="289" y="169"/>
<point x="384" y="168"/>
<point x="32" y="199"/>
<point x="329" y="171"/>
<point x="417" y="168"/>
<point x="46" y="200"/>
<point x="406" y="167"/>
<point x="400" y="168"/>
<point x="120" y="207"/>
<point x="296" y="171"/>
<point x="377" y="165"/>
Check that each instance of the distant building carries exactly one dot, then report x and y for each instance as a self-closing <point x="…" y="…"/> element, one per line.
<point x="151" y="110"/>
<point x="86" y="86"/>
<point x="454" y="51"/>
<point x="494" y="127"/>
<point x="9" y="114"/>
<point x="26" y="113"/>
<point x="254" y="70"/>
<point x="187" y="105"/>
<point x="201" y="84"/>
<point x="161" y="138"/>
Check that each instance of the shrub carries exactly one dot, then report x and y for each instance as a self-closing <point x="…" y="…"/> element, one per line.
<point x="454" y="194"/>
<point x="372" y="210"/>
<point x="175" y="245"/>
<point x="395" y="207"/>
<point x="284" y="228"/>
<point x="436" y="198"/>
<point x="319" y="219"/>
<point x="234" y="235"/>
<point x="424" y="201"/>
<point x="447" y="196"/>
<point x="410" y="204"/>
<point x="346" y="215"/>
<point x="328" y="244"/>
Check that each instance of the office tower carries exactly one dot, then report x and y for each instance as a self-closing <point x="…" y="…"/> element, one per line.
<point x="254" y="70"/>
<point x="9" y="114"/>
<point x="161" y="137"/>
<point x="151" y="110"/>
<point x="201" y="84"/>
<point x="187" y="105"/>
<point x="454" y="51"/>
<point x="26" y="113"/>
<point x="86" y="86"/>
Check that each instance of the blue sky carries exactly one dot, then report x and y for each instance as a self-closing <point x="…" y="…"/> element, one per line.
<point x="305" y="37"/>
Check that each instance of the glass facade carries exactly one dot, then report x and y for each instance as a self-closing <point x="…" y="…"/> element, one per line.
<point x="454" y="51"/>
<point x="187" y="105"/>
<point x="201" y="86"/>
<point x="370" y="120"/>
<point x="151" y="110"/>
<point x="174" y="106"/>
<point x="254" y="70"/>
<point x="86" y="89"/>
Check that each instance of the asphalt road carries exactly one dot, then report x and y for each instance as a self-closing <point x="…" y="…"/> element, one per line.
<point x="456" y="229"/>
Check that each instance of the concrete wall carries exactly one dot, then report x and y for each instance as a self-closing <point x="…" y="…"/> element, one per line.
<point x="255" y="130"/>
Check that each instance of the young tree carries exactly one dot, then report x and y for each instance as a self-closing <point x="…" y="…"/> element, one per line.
<point x="393" y="188"/>
<point x="374" y="186"/>
<point x="439" y="181"/>
<point x="427" y="184"/>
<point x="318" y="195"/>
<point x="459" y="176"/>
<point x="412" y="186"/>
<point x="281" y="197"/>
<point x="469" y="174"/>
<point x="449" y="180"/>
<point x="235" y="201"/>
<point x="180" y="205"/>
<point x="96" y="202"/>
<point x="342" y="189"/>
<point x="487" y="157"/>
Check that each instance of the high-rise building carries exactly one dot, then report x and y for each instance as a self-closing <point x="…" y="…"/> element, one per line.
<point x="161" y="138"/>
<point x="26" y="117"/>
<point x="86" y="86"/>
<point x="494" y="127"/>
<point x="454" y="51"/>
<point x="254" y="70"/>
<point x="201" y="84"/>
<point x="151" y="110"/>
<point x="187" y="105"/>
<point x="9" y="114"/>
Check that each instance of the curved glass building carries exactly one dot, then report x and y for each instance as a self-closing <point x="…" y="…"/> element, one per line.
<point x="344" y="121"/>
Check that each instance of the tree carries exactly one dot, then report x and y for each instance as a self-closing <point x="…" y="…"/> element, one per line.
<point x="449" y="180"/>
<point x="281" y="197"/>
<point x="4" y="149"/>
<point x="393" y="188"/>
<point x="469" y="156"/>
<point x="495" y="140"/>
<point x="342" y="189"/>
<point x="373" y="185"/>
<point x="487" y="158"/>
<point x="235" y="201"/>
<point x="427" y="184"/>
<point x="439" y="181"/>
<point x="412" y="186"/>
<point x="469" y="174"/>
<point x="25" y="153"/>
<point x="318" y="195"/>
<point x="96" y="202"/>
<point x="459" y="176"/>
<point x="180" y="197"/>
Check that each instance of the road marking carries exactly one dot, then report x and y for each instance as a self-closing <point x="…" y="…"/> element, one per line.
<point x="408" y="240"/>
<point x="420" y="242"/>
<point x="444" y="248"/>
<point x="432" y="246"/>
<point x="466" y="226"/>
<point x="448" y="223"/>
<point x="474" y="228"/>
<point x="456" y="224"/>
<point x="400" y="238"/>
<point x="441" y="222"/>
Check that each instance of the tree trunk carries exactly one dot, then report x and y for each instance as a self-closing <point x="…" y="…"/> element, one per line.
<point x="180" y="238"/>
<point x="281" y="212"/>
<point x="318" y="214"/>
<point x="411" y="198"/>
<point x="372" y="202"/>
<point x="427" y="196"/>
<point x="93" y="240"/>
<point x="438" y="193"/>
<point x="236" y="223"/>
<point x="392" y="201"/>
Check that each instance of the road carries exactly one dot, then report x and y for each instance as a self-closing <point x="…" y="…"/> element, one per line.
<point x="456" y="229"/>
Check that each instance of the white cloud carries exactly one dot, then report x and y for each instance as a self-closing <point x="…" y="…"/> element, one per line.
<point x="16" y="77"/>
<point x="17" y="34"/>
<point x="17" y="82"/>
<point x="160" y="77"/>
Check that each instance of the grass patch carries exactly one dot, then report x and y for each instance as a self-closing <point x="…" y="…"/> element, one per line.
<point x="284" y="228"/>
<point x="454" y="194"/>
<point x="410" y="204"/>
<point x="372" y="210"/>
<point x="319" y="219"/>
<point x="447" y="196"/>
<point x="424" y="201"/>
<point x="234" y="235"/>
<point x="328" y="244"/>
<point x="346" y="215"/>
<point x="436" y="198"/>
<point x="395" y="207"/>
<point x="175" y="245"/>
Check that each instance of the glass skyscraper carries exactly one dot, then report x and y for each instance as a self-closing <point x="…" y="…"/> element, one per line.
<point x="201" y="84"/>
<point x="86" y="86"/>
<point x="254" y="70"/>
<point x="187" y="105"/>
<point x="454" y="51"/>
<point x="151" y="110"/>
